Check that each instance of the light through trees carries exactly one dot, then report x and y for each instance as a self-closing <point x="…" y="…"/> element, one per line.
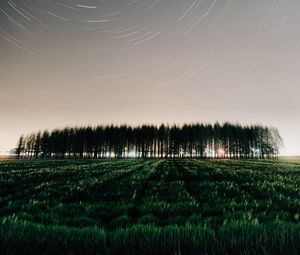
<point x="148" y="141"/>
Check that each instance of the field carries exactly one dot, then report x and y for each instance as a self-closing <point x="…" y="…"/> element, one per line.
<point x="136" y="206"/>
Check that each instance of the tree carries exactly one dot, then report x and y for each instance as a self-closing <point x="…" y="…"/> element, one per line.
<point x="20" y="147"/>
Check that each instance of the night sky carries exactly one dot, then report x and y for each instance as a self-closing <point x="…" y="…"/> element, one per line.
<point x="149" y="61"/>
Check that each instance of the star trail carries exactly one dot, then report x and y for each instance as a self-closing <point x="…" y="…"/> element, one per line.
<point x="139" y="61"/>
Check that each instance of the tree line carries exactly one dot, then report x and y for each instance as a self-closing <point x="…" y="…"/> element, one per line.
<point x="150" y="141"/>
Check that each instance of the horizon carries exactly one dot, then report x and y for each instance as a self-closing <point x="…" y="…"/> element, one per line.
<point x="68" y="63"/>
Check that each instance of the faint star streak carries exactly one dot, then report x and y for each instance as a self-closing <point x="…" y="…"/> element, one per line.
<point x="17" y="45"/>
<point x="13" y="5"/>
<point x="147" y="39"/>
<point x="86" y="6"/>
<point x="15" y="99"/>
<point x="186" y="75"/>
<point x="268" y="15"/>
<point x="201" y="18"/>
<point x="178" y="78"/>
<point x="58" y="17"/>
<point x="97" y="20"/>
<point x="152" y="5"/>
<point x="110" y="76"/>
<point x="191" y="6"/>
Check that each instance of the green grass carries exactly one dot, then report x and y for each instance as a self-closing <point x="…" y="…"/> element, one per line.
<point x="150" y="207"/>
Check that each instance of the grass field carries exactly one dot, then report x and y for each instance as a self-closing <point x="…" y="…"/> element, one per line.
<point x="150" y="207"/>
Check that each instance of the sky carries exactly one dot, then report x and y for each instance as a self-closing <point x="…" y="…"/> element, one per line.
<point x="72" y="62"/>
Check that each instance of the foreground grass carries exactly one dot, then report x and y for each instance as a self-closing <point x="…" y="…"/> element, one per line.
<point x="149" y="207"/>
<point x="18" y="237"/>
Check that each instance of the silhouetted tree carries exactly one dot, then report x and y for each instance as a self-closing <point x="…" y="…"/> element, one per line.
<point x="20" y="146"/>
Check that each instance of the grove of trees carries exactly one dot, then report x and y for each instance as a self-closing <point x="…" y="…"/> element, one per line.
<point x="149" y="141"/>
